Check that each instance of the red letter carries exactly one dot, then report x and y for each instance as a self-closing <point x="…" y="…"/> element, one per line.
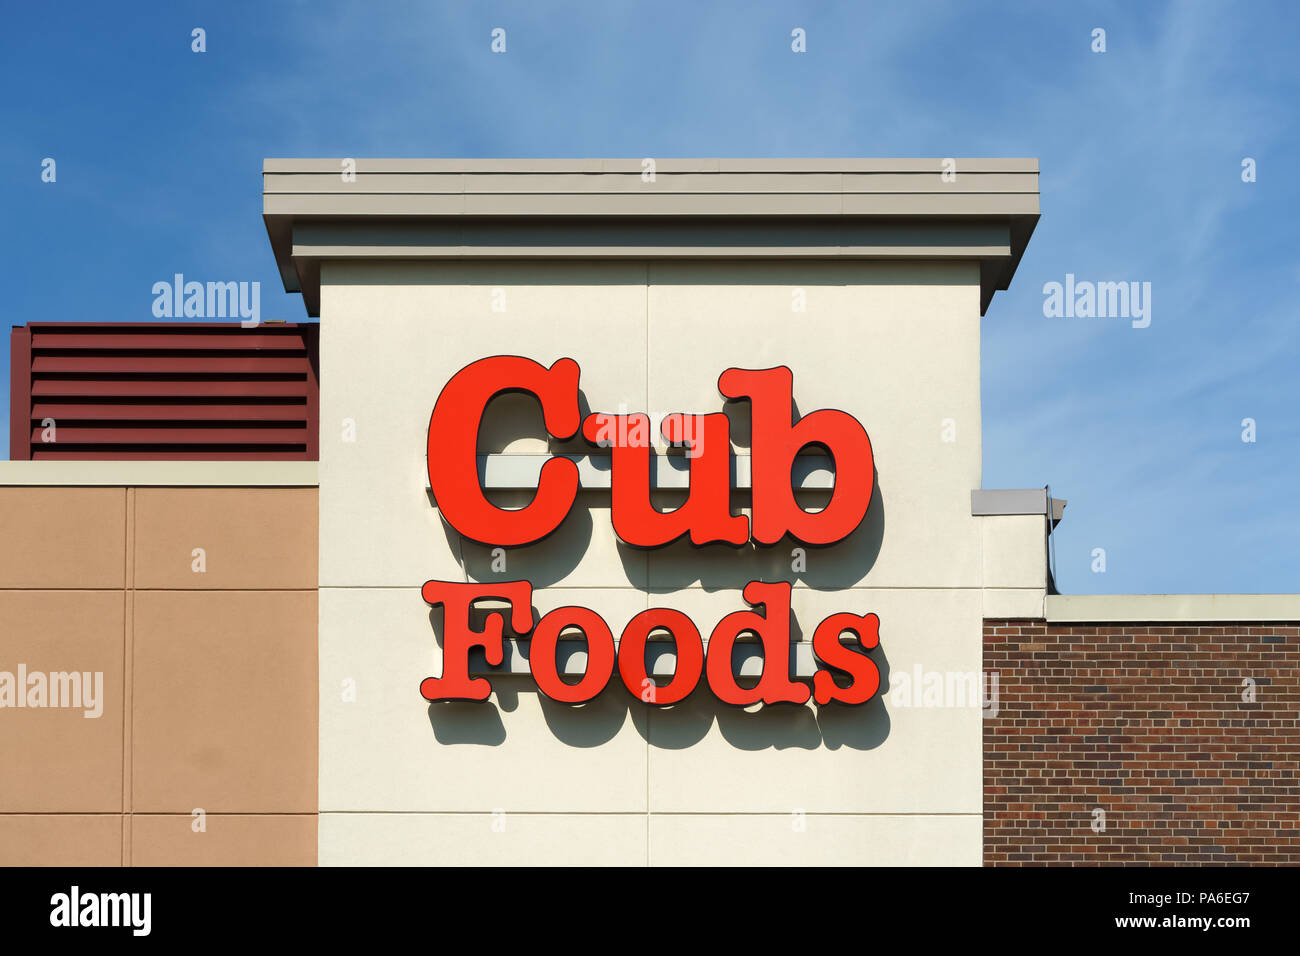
<point x="453" y="448"/>
<point x="777" y="438"/>
<point x="705" y="515"/>
<point x="773" y="628"/>
<point x="631" y="656"/>
<point x="600" y="654"/>
<point x="456" y="597"/>
<point x="861" y="668"/>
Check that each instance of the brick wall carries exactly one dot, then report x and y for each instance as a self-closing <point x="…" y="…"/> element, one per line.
<point x="1148" y="723"/>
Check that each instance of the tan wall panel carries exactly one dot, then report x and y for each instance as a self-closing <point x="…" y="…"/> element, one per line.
<point x="60" y="839"/>
<point x="227" y="840"/>
<point x="62" y="537"/>
<point x="225" y="688"/>
<point x="251" y="537"/>
<point x="57" y="758"/>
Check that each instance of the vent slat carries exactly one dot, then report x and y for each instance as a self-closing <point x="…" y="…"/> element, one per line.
<point x="148" y="435"/>
<point x="163" y="453"/>
<point x="134" y="341"/>
<point x="126" y="364"/>
<point x="178" y="388"/>
<point x="186" y="411"/>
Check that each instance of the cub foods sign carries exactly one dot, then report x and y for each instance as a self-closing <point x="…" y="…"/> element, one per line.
<point x="845" y="674"/>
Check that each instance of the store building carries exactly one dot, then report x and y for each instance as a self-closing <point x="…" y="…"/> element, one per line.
<point x="274" y="572"/>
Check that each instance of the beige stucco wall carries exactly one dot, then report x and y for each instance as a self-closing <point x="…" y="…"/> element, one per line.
<point x="209" y="670"/>
<point x="523" y="780"/>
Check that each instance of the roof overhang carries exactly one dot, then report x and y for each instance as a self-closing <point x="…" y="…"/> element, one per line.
<point x="1016" y="501"/>
<point x="1173" y="609"/>
<point x="608" y="209"/>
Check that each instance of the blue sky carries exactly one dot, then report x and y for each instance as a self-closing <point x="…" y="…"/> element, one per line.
<point x="159" y="153"/>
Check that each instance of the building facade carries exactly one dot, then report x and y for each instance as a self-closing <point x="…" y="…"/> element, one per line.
<point x="267" y="628"/>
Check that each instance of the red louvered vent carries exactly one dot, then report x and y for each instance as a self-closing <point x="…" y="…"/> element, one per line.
<point x="164" y="391"/>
